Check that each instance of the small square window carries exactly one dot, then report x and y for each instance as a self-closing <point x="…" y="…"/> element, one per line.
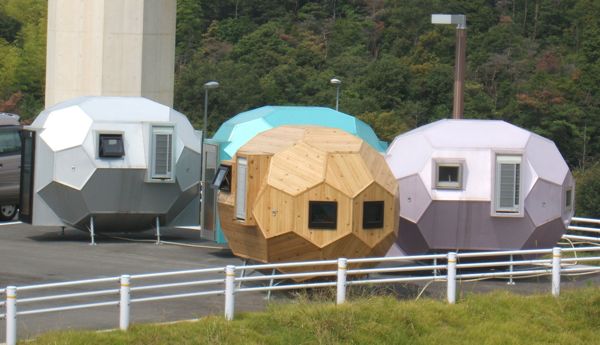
<point x="322" y="215"/>
<point x="373" y="214"/>
<point x="569" y="199"/>
<point x="222" y="179"/>
<point x="448" y="176"/>
<point x="111" y="146"/>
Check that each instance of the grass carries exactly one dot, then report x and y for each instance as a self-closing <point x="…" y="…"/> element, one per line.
<point x="496" y="318"/>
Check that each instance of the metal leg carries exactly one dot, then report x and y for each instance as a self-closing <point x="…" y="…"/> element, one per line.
<point x="62" y="230"/>
<point x="271" y="285"/>
<point x="157" y="231"/>
<point x="510" y="278"/>
<point x="242" y="273"/>
<point x="92" y="233"/>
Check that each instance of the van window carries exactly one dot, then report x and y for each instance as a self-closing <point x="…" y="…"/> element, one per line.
<point x="10" y="141"/>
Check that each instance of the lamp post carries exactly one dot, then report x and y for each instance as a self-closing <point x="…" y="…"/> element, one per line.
<point x="460" y="20"/>
<point x="207" y="86"/>
<point x="337" y="83"/>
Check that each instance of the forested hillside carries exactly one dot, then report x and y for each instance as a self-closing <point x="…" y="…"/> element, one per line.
<point x="534" y="63"/>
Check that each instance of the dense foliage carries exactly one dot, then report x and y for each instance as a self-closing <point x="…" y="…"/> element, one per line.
<point x="534" y="63"/>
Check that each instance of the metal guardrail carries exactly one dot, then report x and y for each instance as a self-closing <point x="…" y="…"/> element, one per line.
<point x="130" y="286"/>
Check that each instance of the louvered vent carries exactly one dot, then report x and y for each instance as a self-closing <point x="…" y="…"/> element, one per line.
<point x="162" y="153"/>
<point x="508" y="183"/>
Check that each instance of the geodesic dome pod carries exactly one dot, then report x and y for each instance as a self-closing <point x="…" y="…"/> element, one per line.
<point x="307" y="192"/>
<point x="124" y="161"/>
<point x="479" y="185"/>
<point x="237" y="131"/>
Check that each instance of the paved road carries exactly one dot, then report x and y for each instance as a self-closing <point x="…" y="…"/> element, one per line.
<point x="32" y="255"/>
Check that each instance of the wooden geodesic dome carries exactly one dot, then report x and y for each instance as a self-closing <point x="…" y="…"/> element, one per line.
<point x="308" y="193"/>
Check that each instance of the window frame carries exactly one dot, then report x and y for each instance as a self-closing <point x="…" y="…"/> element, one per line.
<point x="517" y="209"/>
<point x="569" y="199"/>
<point x="444" y="185"/>
<point x="379" y="224"/>
<point x="322" y="225"/>
<point x="111" y="134"/>
<point x="216" y="184"/>
<point x="161" y="129"/>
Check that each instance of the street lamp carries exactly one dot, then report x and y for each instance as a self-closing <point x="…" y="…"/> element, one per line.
<point x="207" y="86"/>
<point x="460" y="20"/>
<point x="337" y="83"/>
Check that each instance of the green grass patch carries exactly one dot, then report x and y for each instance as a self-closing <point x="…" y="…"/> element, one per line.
<point x="496" y="318"/>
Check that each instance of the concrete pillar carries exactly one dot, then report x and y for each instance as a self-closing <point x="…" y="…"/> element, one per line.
<point x="110" y="48"/>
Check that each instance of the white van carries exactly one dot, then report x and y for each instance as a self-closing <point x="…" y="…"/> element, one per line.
<point x="10" y="165"/>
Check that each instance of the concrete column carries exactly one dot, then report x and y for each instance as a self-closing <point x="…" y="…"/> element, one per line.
<point x="110" y="48"/>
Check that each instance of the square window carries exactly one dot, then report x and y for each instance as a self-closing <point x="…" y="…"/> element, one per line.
<point x="222" y="179"/>
<point x="161" y="160"/>
<point x="322" y="215"/>
<point x="110" y="146"/>
<point x="569" y="199"/>
<point x="448" y="176"/>
<point x="373" y="214"/>
<point x="508" y="184"/>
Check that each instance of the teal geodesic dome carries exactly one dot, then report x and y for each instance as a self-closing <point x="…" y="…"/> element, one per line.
<point x="238" y="130"/>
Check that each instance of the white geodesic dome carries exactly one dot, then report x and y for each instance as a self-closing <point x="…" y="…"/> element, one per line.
<point x="74" y="182"/>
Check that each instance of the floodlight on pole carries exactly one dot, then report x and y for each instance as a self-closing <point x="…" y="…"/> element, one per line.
<point x="337" y="83"/>
<point x="460" y="20"/>
<point x="207" y="86"/>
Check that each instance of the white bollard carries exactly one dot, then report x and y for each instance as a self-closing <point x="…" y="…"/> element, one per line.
<point x="11" y="315"/>
<point x="341" y="280"/>
<point x="556" y="256"/>
<point x="229" y="292"/>
<point x="451" y="278"/>
<point x="124" y="309"/>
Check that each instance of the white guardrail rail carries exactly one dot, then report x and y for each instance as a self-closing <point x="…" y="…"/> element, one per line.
<point x="228" y="281"/>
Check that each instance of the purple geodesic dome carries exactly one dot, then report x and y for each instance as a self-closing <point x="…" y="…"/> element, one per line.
<point x="479" y="185"/>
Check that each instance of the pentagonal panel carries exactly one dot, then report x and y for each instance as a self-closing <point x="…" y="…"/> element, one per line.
<point x="187" y="169"/>
<point x="297" y="169"/>
<point x="274" y="212"/>
<point x="408" y="153"/>
<point x="44" y="158"/>
<point x="473" y="134"/>
<point x="379" y="169"/>
<point x="291" y="247"/>
<point x="244" y="241"/>
<point x="546" y="160"/>
<point x="124" y="191"/>
<point x="374" y="193"/>
<point x="73" y="167"/>
<point x="323" y="237"/>
<point x="544" y="202"/>
<point x="66" y="202"/>
<point x="348" y="173"/>
<point x="383" y="246"/>
<point x="410" y="239"/>
<point x="71" y="120"/>
<point x="331" y="140"/>
<point x="546" y="235"/>
<point x="348" y="246"/>
<point x="414" y="198"/>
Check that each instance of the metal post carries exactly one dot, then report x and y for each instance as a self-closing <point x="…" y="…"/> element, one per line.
<point x="271" y="284"/>
<point x="242" y="273"/>
<point x="203" y="172"/>
<point x="510" y="278"/>
<point x="157" y="231"/>
<point x="451" y="278"/>
<point x="62" y="232"/>
<point x="556" y="256"/>
<point x="11" y="315"/>
<point x="337" y="98"/>
<point x="229" y="292"/>
<point x="435" y="270"/>
<point x="341" y="280"/>
<point x="459" y="72"/>
<point x="124" y="311"/>
<point x="92" y="232"/>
